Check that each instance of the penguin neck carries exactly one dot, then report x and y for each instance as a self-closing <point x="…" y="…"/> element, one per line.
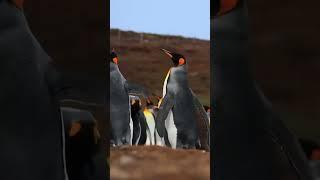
<point x="230" y="53"/>
<point x="114" y="68"/>
<point x="17" y="40"/>
<point x="178" y="76"/>
<point x="12" y="19"/>
<point x="182" y="69"/>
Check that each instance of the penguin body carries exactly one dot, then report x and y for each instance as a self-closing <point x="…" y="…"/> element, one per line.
<point x="250" y="140"/>
<point x="140" y="127"/>
<point x="178" y="114"/>
<point x="182" y="117"/>
<point x="151" y="126"/>
<point x="208" y="111"/>
<point x="82" y="145"/>
<point x="31" y="133"/>
<point x="159" y="141"/>
<point x="120" y="116"/>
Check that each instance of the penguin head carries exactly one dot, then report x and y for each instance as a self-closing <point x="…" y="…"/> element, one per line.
<point x="206" y="108"/>
<point x="135" y="105"/>
<point x="149" y="102"/>
<point x="114" y="57"/>
<point x="17" y="3"/>
<point x="221" y="7"/>
<point x="177" y="59"/>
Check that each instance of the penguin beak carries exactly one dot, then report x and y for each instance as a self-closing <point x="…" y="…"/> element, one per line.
<point x="167" y="52"/>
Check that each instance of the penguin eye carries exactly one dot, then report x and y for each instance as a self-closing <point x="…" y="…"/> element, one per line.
<point x="226" y="6"/>
<point x="115" y="60"/>
<point x="182" y="61"/>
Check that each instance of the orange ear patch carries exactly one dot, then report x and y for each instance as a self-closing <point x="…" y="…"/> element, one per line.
<point x="18" y="3"/>
<point x="115" y="60"/>
<point x="315" y="154"/>
<point x="75" y="128"/>
<point x="227" y="5"/>
<point x="182" y="61"/>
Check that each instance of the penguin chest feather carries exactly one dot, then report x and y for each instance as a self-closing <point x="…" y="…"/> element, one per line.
<point x="171" y="129"/>
<point x="169" y="122"/>
<point x="151" y="127"/>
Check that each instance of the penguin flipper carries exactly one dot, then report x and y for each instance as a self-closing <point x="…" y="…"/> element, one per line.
<point x="164" y="109"/>
<point x="203" y="123"/>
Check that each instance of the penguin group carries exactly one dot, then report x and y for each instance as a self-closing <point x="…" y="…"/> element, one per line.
<point x="177" y="120"/>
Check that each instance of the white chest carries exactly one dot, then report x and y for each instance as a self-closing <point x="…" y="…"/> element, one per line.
<point x="169" y="122"/>
<point x="172" y="130"/>
<point x="164" y="88"/>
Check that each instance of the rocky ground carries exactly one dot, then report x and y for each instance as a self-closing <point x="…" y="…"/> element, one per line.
<point x="153" y="162"/>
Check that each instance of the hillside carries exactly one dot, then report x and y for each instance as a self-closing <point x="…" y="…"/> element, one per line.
<point x="141" y="60"/>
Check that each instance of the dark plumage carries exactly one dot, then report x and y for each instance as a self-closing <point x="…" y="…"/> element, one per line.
<point x="250" y="140"/>
<point x="119" y="105"/>
<point x="181" y="117"/>
<point x="31" y="134"/>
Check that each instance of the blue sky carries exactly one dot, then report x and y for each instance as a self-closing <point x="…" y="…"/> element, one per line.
<point x="189" y="18"/>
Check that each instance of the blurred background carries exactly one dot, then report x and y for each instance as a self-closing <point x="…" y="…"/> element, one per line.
<point x="286" y="60"/>
<point x="74" y="34"/>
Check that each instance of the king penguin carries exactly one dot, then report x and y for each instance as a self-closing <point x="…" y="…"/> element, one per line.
<point x="140" y="126"/>
<point x="31" y="131"/>
<point x="180" y="115"/>
<point x="150" y="114"/>
<point x="120" y="116"/>
<point x="250" y="140"/>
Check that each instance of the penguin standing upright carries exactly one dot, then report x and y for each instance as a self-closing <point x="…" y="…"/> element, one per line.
<point x="31" y="131"/>
<point x="180" y="114"/>
<point x="250" y="140"/>
<point x="120" y="116"/>
<point x="149" y="114"/>
<point x="208" y="111"/>
<point x="140" y="126"/>
<point x="82" y="143"/>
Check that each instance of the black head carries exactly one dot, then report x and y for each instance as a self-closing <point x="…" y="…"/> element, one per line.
<point x="17" y="3"/>
<point x="149" y="102"/>
<point x="206" y="108"/>
<point x="135" y="105"/>
<point x="177" y="59"/>
<point x="114" y="57"/>
<point x="221" y="7"/>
